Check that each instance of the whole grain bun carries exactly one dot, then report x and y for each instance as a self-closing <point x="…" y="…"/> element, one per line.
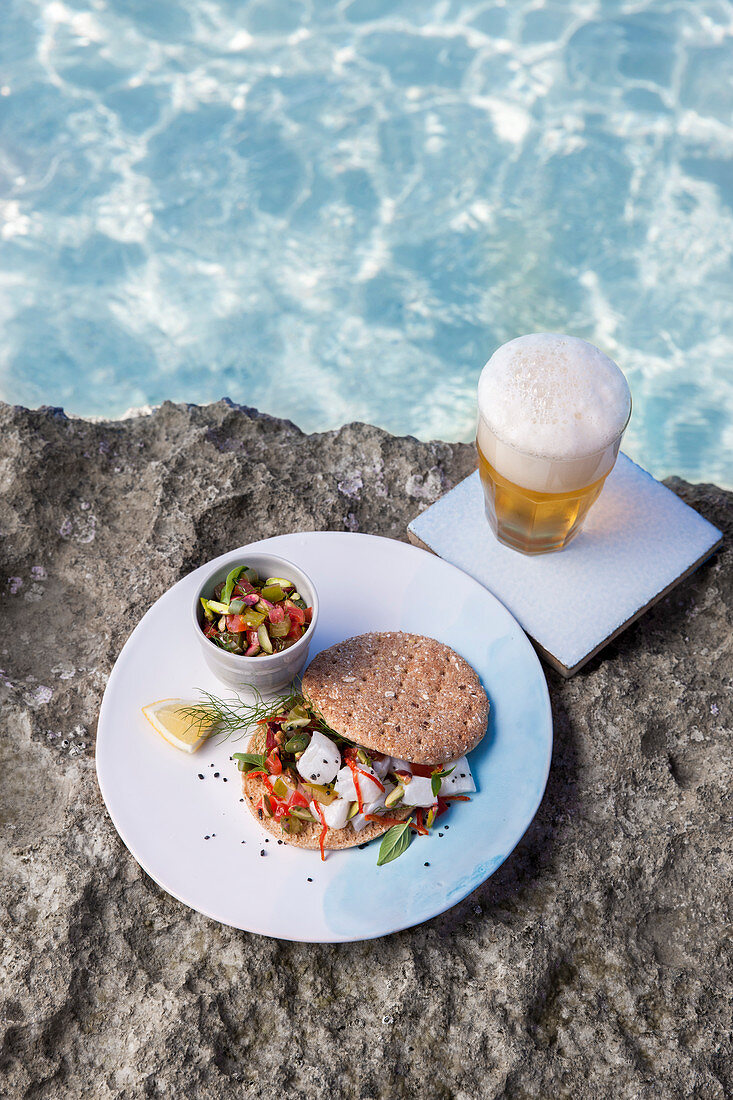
<point x="254" y="788"/>
<point x="402" y="694"/>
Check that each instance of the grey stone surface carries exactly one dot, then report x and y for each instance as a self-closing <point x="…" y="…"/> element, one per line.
<point x="595" y="963"/>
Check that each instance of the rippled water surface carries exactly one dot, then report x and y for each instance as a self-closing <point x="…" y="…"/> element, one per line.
<point x="335" y="211"/>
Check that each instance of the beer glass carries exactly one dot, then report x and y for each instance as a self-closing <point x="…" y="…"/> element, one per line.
<point x="552" y="411"/>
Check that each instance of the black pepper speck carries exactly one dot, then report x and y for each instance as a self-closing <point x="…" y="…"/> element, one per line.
<point x="440" y="834"/>
<point x="263" y="852"/>
<point x="200" y="776"/>
<point x="426" y="864"/>
<point x="225" y="779"/>
<point x="310" y="880"/>
<point x="216" y="775"/>
<point x="207" y="838"/>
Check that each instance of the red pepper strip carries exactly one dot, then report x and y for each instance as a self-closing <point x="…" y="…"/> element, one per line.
<point x="324" y="830"/>
<point x="357" y="788"/>
<point x="425" y="770"/>
<point x="259" y="771"/>
<point x="456" y="798"/>
<point x="271" y="742"/>
<point x="371" y="778"/>
<point x="386" y="820"/>
<point x="308" y="614"/>
<point x="442" y="807"/>
<point x="418" y="826"/>
<point x="349" y="757"/>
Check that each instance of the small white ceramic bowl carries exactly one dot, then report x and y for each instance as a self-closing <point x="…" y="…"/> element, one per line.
<point x="266" y="672"/>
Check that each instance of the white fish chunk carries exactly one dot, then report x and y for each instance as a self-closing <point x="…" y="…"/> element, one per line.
<point x="400" y="765"/>
<point x="381" y="767"/>
<point x="460" y="780"/>
<point x="418" y="792"/>
<point x="335" y="814"/>
<point x="321" y="760"/>
<point x="359" y="820"/>
<point x="368" y="785"/>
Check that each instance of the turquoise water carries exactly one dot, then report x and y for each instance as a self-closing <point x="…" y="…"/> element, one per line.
<point x="336" y="211"/>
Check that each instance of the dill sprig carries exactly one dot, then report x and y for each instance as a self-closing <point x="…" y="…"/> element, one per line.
<point x="235" y="715"/>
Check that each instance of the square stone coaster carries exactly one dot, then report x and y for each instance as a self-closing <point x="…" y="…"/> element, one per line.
<point x="638" y="542"/>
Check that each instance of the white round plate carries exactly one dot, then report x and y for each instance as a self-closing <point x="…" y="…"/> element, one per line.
<point x="241" y="876"/>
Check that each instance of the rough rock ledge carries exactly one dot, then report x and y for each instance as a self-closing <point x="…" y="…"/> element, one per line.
<point x="595" y="963"/>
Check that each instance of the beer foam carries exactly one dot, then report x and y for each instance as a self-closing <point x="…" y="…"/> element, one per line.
<point x="553" y="397"/>
<point x="551" y="410"/>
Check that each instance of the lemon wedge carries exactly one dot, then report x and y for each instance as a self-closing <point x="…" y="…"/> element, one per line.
<point x="169" y="718"/>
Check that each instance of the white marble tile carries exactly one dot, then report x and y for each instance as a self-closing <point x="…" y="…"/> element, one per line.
<point x="638" y="540"/>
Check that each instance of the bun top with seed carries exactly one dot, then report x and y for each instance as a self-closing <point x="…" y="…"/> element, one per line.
<point x="401" y="694"/>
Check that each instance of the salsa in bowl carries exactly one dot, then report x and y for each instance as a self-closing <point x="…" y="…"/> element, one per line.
<point x="254" y="617"/>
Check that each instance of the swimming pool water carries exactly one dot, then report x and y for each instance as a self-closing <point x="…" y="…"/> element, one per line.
<point x="337" y="210"/>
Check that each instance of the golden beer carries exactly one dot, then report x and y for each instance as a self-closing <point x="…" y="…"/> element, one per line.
<point x="552" y="410"/>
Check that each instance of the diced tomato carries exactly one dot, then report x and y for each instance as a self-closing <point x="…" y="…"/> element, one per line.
<point x="271" y="742"/>
<point x="295" y="631"/>
<point x="308" y="614"/>
<point x="276" y="614"/>
<point x="298" y="799"/>
<point x="210" y="630"/>
<point x="236" y="624"/>
<point x="242" y="587"/>
<point x="274" y="763"/>
<point x="297" y="614"/>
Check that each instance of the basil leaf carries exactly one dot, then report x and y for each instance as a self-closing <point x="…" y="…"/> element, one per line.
<point x="246" y="761"/>
<point x="437" y="778"/>
<point x="394" y="843"/>
<point x="230" y="582"/>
